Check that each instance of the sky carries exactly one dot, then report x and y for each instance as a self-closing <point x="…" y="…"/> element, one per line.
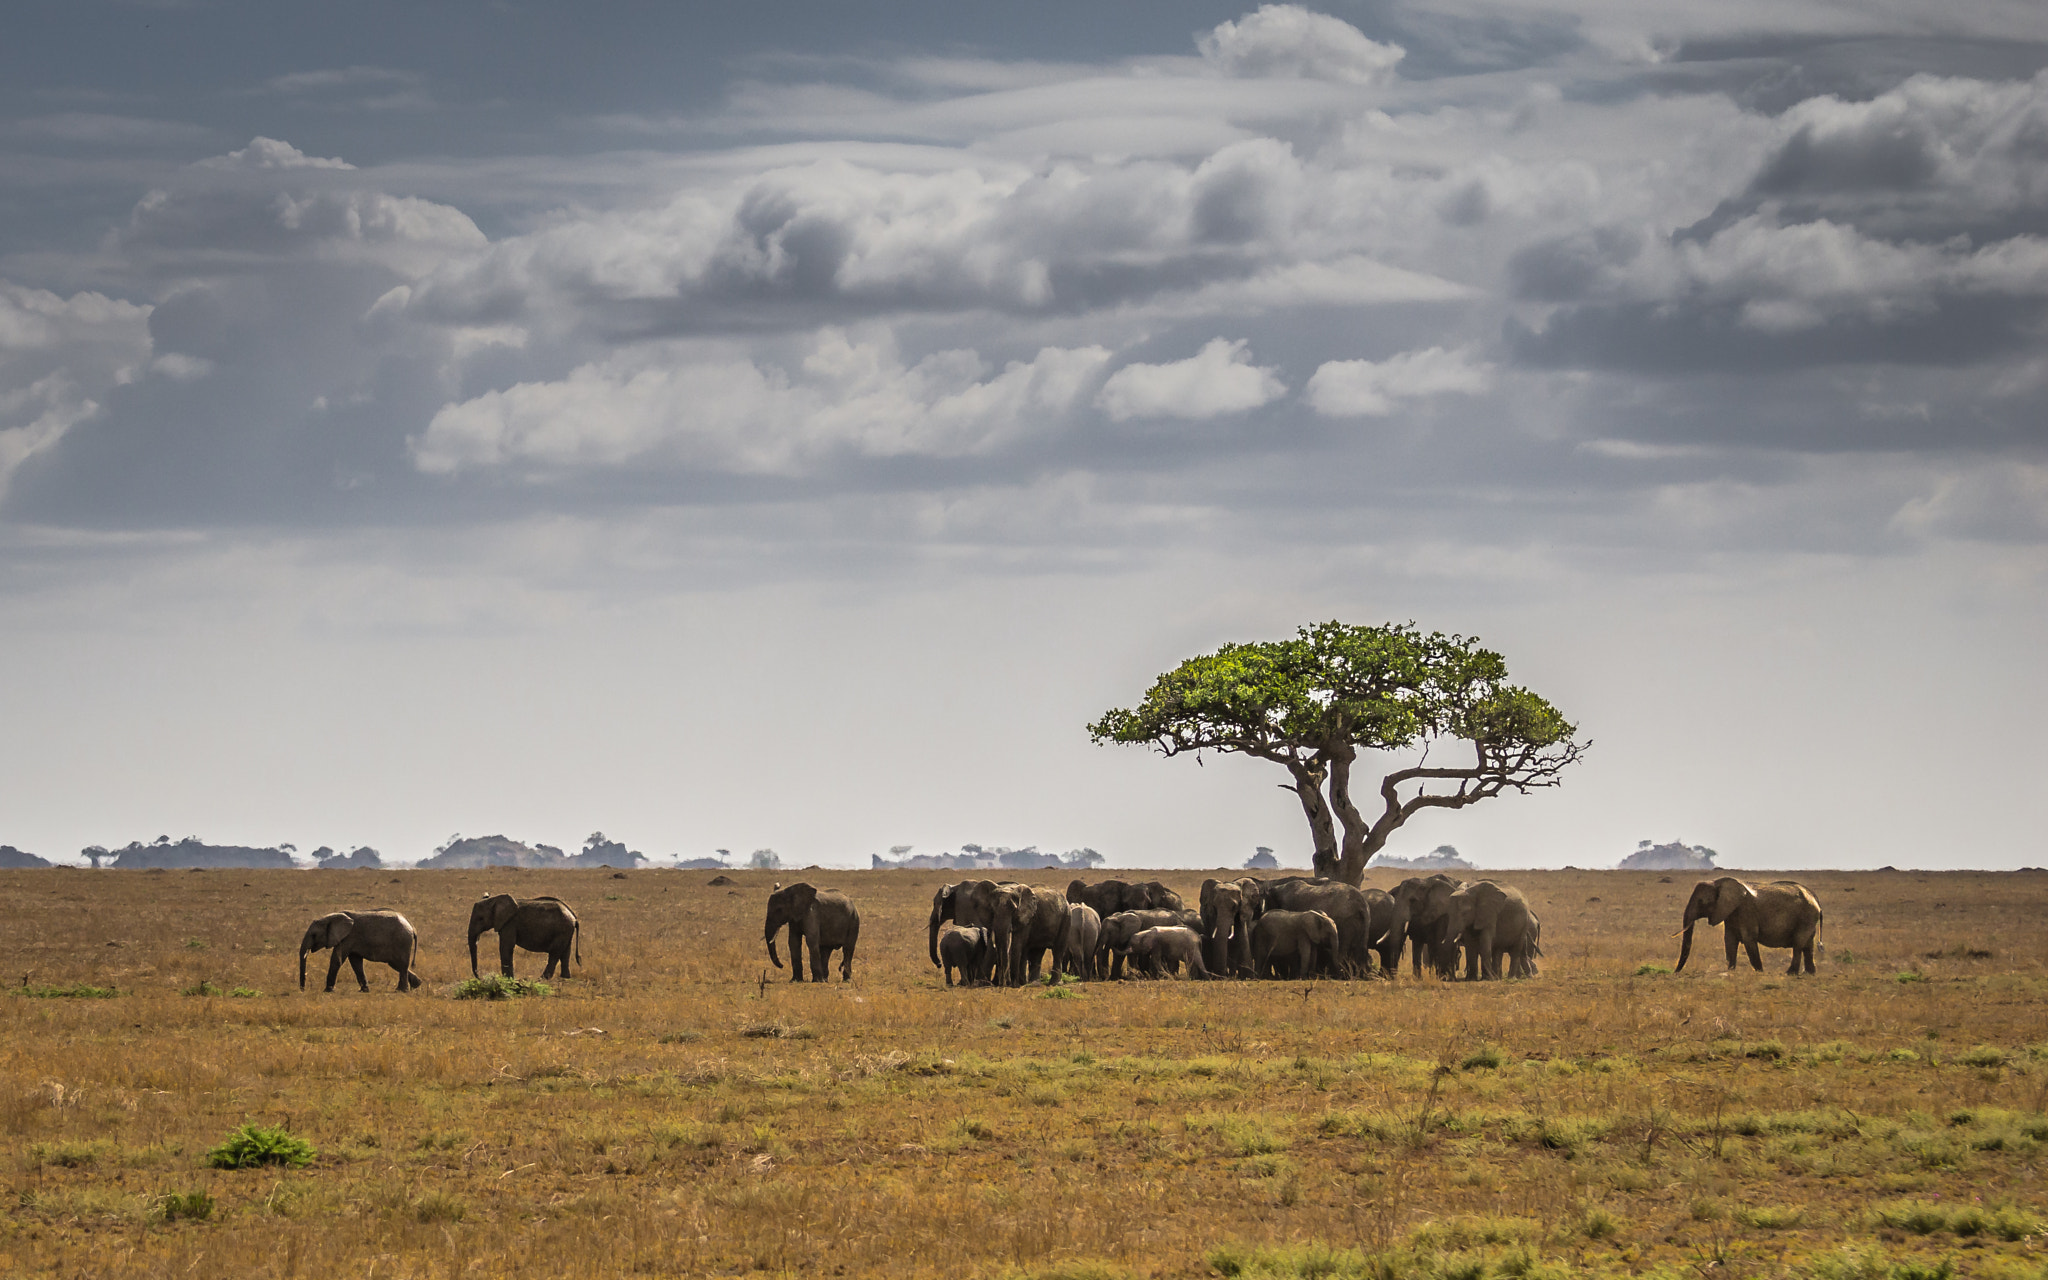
<point x="788" y="425"/>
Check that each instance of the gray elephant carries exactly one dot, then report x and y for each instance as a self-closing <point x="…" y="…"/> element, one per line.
<point x="1030" y="922"/>
<point x="530" y="924"/>
<point x="1111" y="896"/>
<point x="971" y="950"/>
<point x="1119" y="929"/>
<point x="1302" y="943"/>
<point x="1778" y="913"/>
<point x="1386" y="929"/>
<point x="382" y="937"/>
<point x="1227" y="915"/>
<point x="1426" y="900"/>
<point x="1167" y="948"/>
<point x="824" y="919"/>
<point x="1490" y="921"/>
<point x="1084" y="932"/>
<point x="1343" y="903"/>
<point x="967" y="903"/>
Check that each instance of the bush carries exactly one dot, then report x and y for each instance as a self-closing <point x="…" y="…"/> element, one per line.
<point x="496" y="986"/>
<point x="202" y="988"/>
<point x="1652" y="970"/>
<point x="191" y="1206"/>
<point x="1486" y="1058"/>
<point x="253" y="1145"/>
<point x="244" y="993"/>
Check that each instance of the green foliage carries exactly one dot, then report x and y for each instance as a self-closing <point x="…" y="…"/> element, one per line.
<point x="1484" y="1058"/>
<point x="244" y="993"/>
<point x="1911" y="975"/>
<point x="188" y="1206"/>
<point x="76" y="991"/>
<point x="1983" y="1056"/>
<point x="496" y="986"/>
<point x="202" y="988"/>
<point x="1652" y="970"/>
<point x="254" y="1144"/>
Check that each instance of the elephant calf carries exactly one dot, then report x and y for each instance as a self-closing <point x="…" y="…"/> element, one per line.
<point x="970" y="950"/>
<point x="1295" y="944"/>
<point x="1084" y="931"/>
<point x="1161" y="948"/>
<point x="384" y="937"/>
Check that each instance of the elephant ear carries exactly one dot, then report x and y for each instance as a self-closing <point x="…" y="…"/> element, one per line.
<point x="801" y="897"/>
<point x="1729" y="895"/>
<point x="502" y="908"/>
<point x="339" y="926"/>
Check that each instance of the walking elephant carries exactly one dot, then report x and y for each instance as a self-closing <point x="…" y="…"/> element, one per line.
<point x="1164" y="948"/>
<point x="1119" y="929"/>
<point x="1490" y="921"/>
<point x="1427" y="900"/>
<point x="1346" y="905"/>
<point x="1030" y="923"/>
<point x="530" y="924"/>
<point x="970" y="950"/>
<point x="1302" y="943"/>
<point x="824" y="919"/>
<point x="1084" y="933"/>
<point x="1778" y="913"/>
<point x="381" y="937"/>
<point x="1227" y="915"/>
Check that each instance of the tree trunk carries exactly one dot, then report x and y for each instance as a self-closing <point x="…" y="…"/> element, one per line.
<point x="1361" y="838"/>
<point x="1308" y="785"/>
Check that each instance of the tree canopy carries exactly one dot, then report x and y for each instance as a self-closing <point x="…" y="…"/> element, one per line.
<point x="1314" y="702"/>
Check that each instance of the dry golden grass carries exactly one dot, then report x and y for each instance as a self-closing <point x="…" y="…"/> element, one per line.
<point x="664" y="1113"/>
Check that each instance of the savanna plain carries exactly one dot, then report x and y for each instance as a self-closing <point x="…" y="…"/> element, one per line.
<point x="678" y="1108"/>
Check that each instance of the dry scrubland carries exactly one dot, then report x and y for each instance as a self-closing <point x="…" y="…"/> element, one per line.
<point x="665" y="1114"/>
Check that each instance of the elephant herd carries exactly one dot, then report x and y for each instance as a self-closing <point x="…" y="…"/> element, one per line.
<point x="1005" y="934"/>
<point x="386" y="937"/>
<point x="982" y="932"/>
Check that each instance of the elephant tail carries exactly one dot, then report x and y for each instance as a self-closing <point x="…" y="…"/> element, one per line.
<point x="576" y="941"/>
<point x="1818" y="945"/>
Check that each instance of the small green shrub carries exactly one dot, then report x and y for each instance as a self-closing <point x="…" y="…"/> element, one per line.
<point x="1769" y="1050"/>
<point x="1770" y="1217"/>
<point x="253" y="1145"/>
<point x="202" y="988"/>
<point x="1983" y="1056"/>
<point x="1911" y="975"/>
<point x="439" y="1206"/>
<point x="244" y="993"/>
<point x="76" y="991"/>
<point x="188" y="1206"/>
<point x="497" y="986"/>
<point x="1652" y="970"/>
<point x="1484" y="1058"/>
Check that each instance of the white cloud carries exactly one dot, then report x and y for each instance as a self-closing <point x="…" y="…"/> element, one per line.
<point x="1286" y="40"/>
<point x="1218" y="379"/>
<point x="710" y="406"/>
<point x="1365" y="388"/>
<point x="181" y="368"/>
<point x="269" y="153"/>
<point x="58" y="357"/>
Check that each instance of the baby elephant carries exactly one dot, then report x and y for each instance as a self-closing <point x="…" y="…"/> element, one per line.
<point x="971" y="950"/>
<point x="384" y="937"/>
<point x="1161" y="948"/>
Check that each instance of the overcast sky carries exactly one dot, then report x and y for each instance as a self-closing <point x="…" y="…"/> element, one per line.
<point x="788" y="424"/>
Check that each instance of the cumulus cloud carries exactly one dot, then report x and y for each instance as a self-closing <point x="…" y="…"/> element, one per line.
<point x="270" y="153"/>
<point x="1286" y="40"/>
<point x="1366" y="388"/>
<point x="1218" y="379"/>
<point x="714" y="408"/>
<point x="58" y="357"/>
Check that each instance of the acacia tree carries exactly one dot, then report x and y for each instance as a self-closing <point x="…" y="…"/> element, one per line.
<point x="1313" y="703"/>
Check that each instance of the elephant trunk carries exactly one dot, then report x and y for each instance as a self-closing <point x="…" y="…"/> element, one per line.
<point x="303" y="948"/>
<point x="474" y="934"/>
<point x="934" y="939"/>
<point x="1685" y="948"/>
<point x="768" y="935"/>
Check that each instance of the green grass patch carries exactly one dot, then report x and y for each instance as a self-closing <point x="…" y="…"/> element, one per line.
<point x="1652" y="970"/>
<point x="76" y="991"/>
<point x="182" y="1206"/>
<point x="1909" y="976"/>
<point x="1484" y="1058"/>
<point x="253" y="1145"/>
<point x="202" y="988"/>
<point x="497" y="986"/>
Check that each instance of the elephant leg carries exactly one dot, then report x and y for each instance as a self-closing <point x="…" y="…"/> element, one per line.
<point x="362" y="979"/>
<point x="1809" y="958"/>
<point x="796" y="953"/>
<point x="1756" y="961"/>
<point x="1734" y="944"/>
<point x="333" y="969"/>
<point x="398" y="966"/>
<point x="506" y="942"/>
<point x="846" y="961"/>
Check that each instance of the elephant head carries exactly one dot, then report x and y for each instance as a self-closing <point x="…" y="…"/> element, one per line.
<point x="488" y="913"/>
<point x="942" y="911"/>
<point x="1715" y="900"/>
<point x="786" y="907"/>
<point x="327" y="931"/>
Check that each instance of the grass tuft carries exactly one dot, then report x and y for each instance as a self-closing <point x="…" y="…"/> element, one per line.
<point x="182" y="1206"/>
<point x="76" y="991"/>
<point x="1484" y="1058"/>
<point x="253" y="1145"/>
<point x="777" y="1031"/>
